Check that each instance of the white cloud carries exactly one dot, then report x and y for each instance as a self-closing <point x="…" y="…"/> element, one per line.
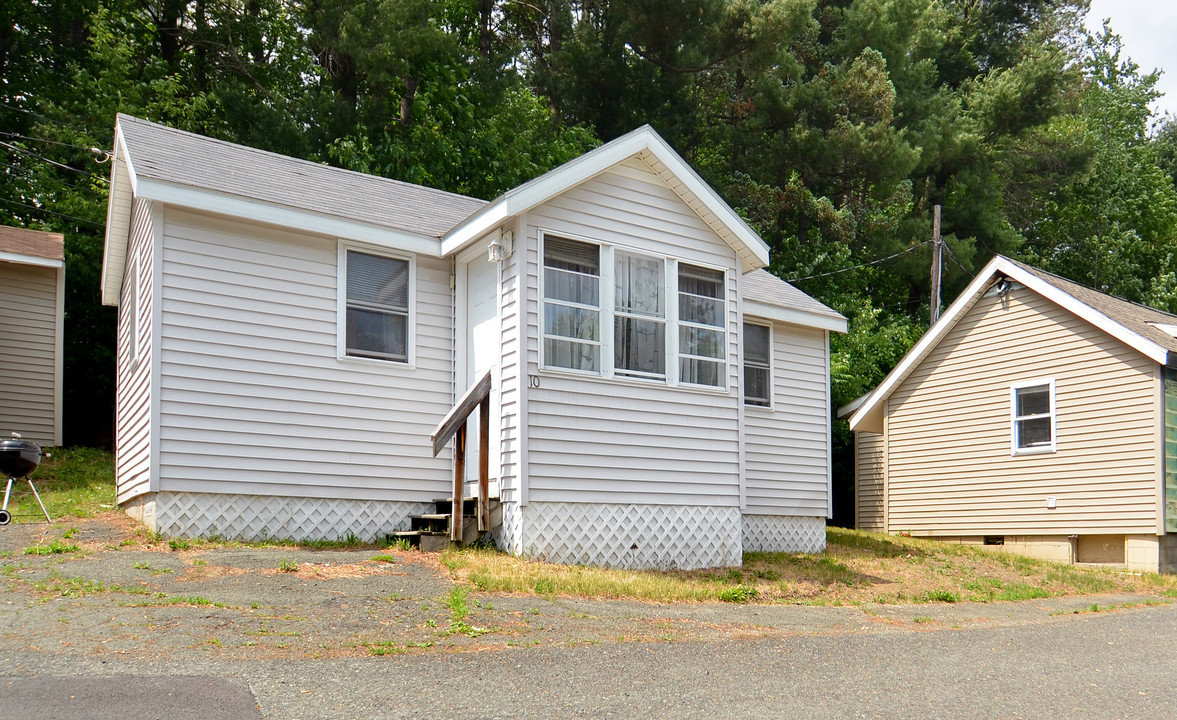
<point x="1147" y="30"/>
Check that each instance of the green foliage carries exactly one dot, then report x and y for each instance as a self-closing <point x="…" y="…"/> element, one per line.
<point x="287" y="566"/>
<point x="738" y="594"/>
<point x="54" y="547"/>
<point x="73" y="482"/>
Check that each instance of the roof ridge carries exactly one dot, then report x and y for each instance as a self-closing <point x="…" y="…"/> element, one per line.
<point x="1040" y="271"/>
<point x="237" y="147"/>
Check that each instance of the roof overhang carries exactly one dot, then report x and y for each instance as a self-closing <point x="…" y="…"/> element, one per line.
<point x="126" y="185"/>
<point x="22" y="259"/>
<point x="663" y="160"/>
<point x="754" y="308"/>
<point x="869" y="416"/>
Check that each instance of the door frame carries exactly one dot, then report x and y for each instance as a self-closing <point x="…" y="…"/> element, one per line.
<point x="462" y="350"/>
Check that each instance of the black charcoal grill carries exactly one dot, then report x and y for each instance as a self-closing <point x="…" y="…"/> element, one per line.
<point x="18" y="459"/>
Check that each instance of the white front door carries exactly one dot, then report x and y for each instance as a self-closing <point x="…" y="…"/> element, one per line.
<point x="482" y="352"/>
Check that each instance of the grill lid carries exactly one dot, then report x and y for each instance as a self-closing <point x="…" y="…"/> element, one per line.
<point x="18" y="457"/>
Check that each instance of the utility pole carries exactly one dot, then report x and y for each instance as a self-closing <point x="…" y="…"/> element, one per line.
<point x="937" y="249"/>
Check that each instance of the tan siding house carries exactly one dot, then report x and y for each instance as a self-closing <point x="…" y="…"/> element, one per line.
<point x="290" y="334"/>
<point x="32" y="293"/>
<point x="1030" y="417"/>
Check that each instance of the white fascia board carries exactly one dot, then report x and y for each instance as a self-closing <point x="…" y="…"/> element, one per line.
<point x="729" y="217"/>
<point x="112" y="277"/>
<point x="234" y="206"/>
<point x="543" y="188"/>
<point x="950" y="317"/>
<point x="31" y="260"/>
<point x="1088" y="313"/>
<point x="752" y="308"/>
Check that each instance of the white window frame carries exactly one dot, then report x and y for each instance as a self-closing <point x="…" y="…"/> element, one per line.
<point x="341" y="307"/>
<point x="604" y="293"/>
<point x="135" y="301"/>
<point x="615" y="313"/>
<point x="744" y="364"/>
<point x="1014" y="418"/>
<point x="607" y="310"/>
<point x="723" y="328"/>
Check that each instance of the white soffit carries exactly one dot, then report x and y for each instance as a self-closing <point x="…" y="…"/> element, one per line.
<point x="753" y="308"/>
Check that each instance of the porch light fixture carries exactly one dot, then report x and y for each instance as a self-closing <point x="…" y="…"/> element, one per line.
<point x="501" y="246"/>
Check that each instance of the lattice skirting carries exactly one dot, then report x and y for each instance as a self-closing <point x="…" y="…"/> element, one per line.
<point x="508" y="537"/>
<point x="784" y="533"/>
<point x="659" y="537"/>
<point x="262" y="517"/>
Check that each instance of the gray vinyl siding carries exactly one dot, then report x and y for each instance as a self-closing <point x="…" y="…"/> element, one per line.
<point x="868" y="481"/>
<point x="29" y="359"/>
<point x="133" y="396"/>
<point x="625" y="441"/>
<point x="949" y="462"/>
<point x="254" y="398"/>
<point x="786" y="457"/>
<point x="510" y="379"/>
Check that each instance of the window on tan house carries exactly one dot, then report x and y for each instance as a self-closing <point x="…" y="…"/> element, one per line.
<point x="1033" y="416"/>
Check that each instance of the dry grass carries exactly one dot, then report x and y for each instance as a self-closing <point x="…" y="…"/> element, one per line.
<point x="856" y="567"/>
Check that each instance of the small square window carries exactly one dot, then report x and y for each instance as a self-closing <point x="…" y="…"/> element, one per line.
<point x="1033" y="417"/>
<point x="377" y="307"/>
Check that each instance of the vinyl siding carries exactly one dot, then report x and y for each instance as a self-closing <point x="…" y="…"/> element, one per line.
<point x="133" y="394"/>
<point x="254" y="398"/>
<point x="510" y="379"/>
<point x="949" y="463"/>
<point x="868" y="481"/>
<point x="29" y="354"/>
<point x="786" y="456"/>
<point x="625" y="441"/>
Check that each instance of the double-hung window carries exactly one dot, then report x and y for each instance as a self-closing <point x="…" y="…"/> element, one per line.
<point x="1033" y="417"/>
<point x="376" y="307"/>
<point x="639" y="316"/>
<point x="701" y="334"/>
<point x="757" y="365"/>
<point x="572" y="300"/>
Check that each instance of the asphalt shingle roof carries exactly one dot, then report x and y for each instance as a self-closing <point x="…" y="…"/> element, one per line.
<point x="174" y="156"/>
<point x="35" y="243"/>
<point x="764" y="287"/>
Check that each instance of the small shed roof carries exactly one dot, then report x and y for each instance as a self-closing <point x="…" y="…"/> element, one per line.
<point x="766" y="295"/>
<point x="1151" y="332"/>
<point x="31" y="245"/>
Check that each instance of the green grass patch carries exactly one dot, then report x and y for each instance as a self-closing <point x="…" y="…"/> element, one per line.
<point x="384" y="558"/>
<point x="73" y="482"/>
<point x="53" y="547"/>
<point x="738" y="594"/>
<point x="285" y="565"/>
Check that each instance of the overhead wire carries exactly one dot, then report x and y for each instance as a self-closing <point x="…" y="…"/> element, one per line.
<point x="862" y="265"/>
<point x="51" y="212"/>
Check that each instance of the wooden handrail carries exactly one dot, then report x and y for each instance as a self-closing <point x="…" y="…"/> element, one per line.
<point x="461" y="410"/>
<point x="477" y="396"/>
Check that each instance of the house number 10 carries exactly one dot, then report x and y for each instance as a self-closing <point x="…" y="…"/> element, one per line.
<point x="533" y="381"/>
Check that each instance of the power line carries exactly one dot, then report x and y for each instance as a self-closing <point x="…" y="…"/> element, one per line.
<point x="30" y="153"/>
<point x="18" y="136"/>
<point x="51" y="212"/>
<point x="856" y="267"/>
<point x="25" y="174"/>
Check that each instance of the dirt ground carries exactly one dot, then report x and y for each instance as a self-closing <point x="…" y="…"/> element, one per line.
<point x="120" y="593"/>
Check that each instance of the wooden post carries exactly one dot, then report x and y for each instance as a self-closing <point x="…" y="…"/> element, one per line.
<point x="937" y="249"/>
<point x="484" y="464"/>
<point x="459" y="476"/>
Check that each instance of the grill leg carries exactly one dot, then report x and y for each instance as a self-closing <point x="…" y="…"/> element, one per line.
<point x="36" y="495"/>
<point x="7" y="491"/>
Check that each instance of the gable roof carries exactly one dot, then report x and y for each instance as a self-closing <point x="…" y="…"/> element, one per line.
<point x="666" y="163"/>
<point x="32" y="247"/>
<point x="189" y="170"/>
<point x="767" y="296"/>
<point x="1133" y="324"/>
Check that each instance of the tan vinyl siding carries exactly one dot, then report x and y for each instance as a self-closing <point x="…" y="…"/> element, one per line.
<point x="28" y="355"/>
<point x="254" y="398"/>
<point x="133" y="396"/>
<point x="626" y="441"/>
<point x="786" y="461"/>
<point x="949" y="462"/>
<point x="868" y="481"/>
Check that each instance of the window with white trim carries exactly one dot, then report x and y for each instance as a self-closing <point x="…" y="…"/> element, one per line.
<point x="757" y="365"/>
<point x="572" y="299"/>
<point x="701" y="344"/>
<point x="376" y="306"/>
<point x="1032" y="416"/>
<point x="613" y="312"/>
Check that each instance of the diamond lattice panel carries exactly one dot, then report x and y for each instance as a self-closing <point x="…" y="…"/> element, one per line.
<point x="784" y="533"/>
<point x="508" y="537"/>
<point x="260" y="517"/>
<point x="632" y="536"/>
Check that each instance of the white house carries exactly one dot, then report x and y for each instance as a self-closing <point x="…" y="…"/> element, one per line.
<point x="32" y="294"/>
<point x="291" y="333"/>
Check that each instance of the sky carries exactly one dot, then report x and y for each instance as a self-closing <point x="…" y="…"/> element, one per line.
<point x="1148" y="29"/>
